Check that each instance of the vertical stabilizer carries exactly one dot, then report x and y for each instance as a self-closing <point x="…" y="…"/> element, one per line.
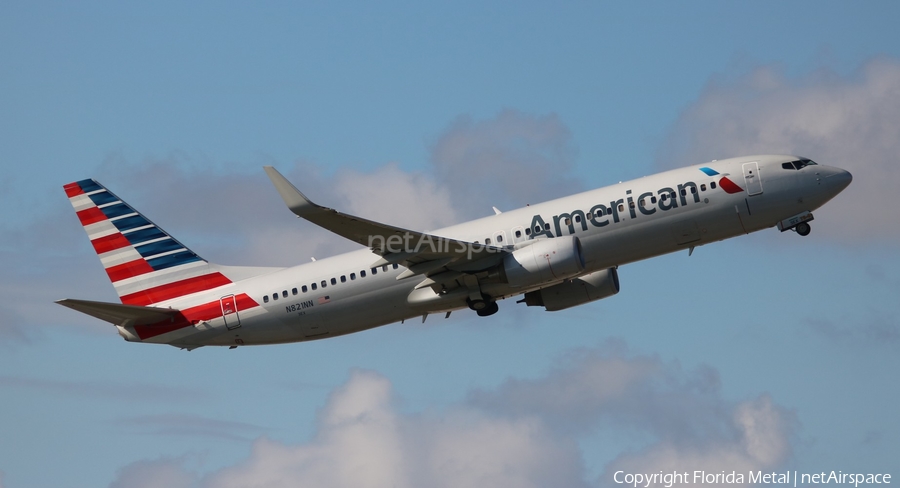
<point x="145" y="264"/>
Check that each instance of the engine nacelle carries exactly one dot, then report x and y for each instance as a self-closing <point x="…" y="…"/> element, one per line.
<point x="545" y="261"/>
<point x="590" y="287"/>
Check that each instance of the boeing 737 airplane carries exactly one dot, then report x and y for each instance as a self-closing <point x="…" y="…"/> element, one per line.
<point x="556" y="254"/>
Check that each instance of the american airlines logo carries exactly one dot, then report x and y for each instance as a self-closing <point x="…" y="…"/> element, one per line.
<point x="601" y="215"/>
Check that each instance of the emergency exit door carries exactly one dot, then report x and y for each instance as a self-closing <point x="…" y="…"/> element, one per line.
<point x="230" y="312"/>
<point x="752" y="181"/>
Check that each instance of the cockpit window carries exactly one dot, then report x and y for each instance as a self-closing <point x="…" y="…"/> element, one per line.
<point x="798" y="164"/>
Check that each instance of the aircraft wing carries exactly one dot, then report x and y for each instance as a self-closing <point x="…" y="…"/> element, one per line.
<point x="423" y="254"/>
<point x="118" y="314"/>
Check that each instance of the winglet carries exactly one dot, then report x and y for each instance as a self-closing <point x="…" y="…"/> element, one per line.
<point x="296" y="201"/>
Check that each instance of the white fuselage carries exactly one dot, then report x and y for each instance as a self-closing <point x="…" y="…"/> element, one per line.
<point x="636" y="223"/>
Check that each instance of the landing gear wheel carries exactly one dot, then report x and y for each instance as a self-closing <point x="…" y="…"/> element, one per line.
<point x="490" y="309"/>
<point x="802" y="229"/>
<point x="477" y="305"/>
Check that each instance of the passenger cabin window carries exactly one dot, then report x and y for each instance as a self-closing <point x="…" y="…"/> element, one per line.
<point x="265" y="298"/>
<point x="274" y="296"/>
<point x="314" y="286"/>
<point x="284" y="293"/>
<point x="374" y="271"/>
<point x="703" y="187"/>
<point x="343" y="278"/>
<point x="713" y="185"/>
<point x="293" y="291"/>
<point x="362" y="274"/>
<point x="499" y="238"/>
<point x="487" y="242"/>
<point x="621" y="208"/>
<point x="303" y="288"/>
<point x="352" y="276"/>
<point x="518" y="233"/>
<point x="528" y="231"/>
<point x="396" y="266"/>
<point x="324" y="283"/>
<point x="384" y="268"/>
<point x="333" y="281"/>
<point x="652" y="199"/>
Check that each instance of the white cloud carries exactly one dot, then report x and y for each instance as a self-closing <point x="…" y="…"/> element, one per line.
<point x="526" y="432"/>
<point x="760" y="443"/>
<point x="364" y="441"/>
<point x="412" y="200"/>
<point x="506" y="161"/>
<point x="606" y="389"/>
<point x="846" y="121"/>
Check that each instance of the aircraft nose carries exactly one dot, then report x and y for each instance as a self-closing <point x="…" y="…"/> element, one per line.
<point x="838" y="180"/>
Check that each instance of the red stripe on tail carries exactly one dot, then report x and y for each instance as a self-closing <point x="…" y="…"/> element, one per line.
<point x="73" y="189"/>
<point x="128" y="270"/>
<point x="176" y="289"/>
<point x="90" y="216"/>
<point x="110" y="243"/>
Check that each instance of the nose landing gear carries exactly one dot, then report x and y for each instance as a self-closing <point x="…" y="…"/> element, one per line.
<point x="798" y="223"/>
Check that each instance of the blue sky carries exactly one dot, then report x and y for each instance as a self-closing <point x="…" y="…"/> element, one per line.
<point x="768" y="351"/>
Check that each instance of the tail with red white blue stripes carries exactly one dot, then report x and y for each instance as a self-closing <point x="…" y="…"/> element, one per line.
<point x="145" y="264"/>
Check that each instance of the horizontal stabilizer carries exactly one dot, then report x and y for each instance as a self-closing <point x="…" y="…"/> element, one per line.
<point x="124" y="315"/>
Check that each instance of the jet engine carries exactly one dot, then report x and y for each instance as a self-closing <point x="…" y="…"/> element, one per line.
<point x="544" y="261"/>
<point x="587" y="288"/>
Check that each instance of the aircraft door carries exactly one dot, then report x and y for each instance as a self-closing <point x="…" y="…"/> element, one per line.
<point x="230" y="312"/>
<point x="752" y="181"/>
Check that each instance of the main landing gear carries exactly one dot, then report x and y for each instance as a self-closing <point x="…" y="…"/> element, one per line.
<point x="484" y="307"/>
<point x="802" y="228"/>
